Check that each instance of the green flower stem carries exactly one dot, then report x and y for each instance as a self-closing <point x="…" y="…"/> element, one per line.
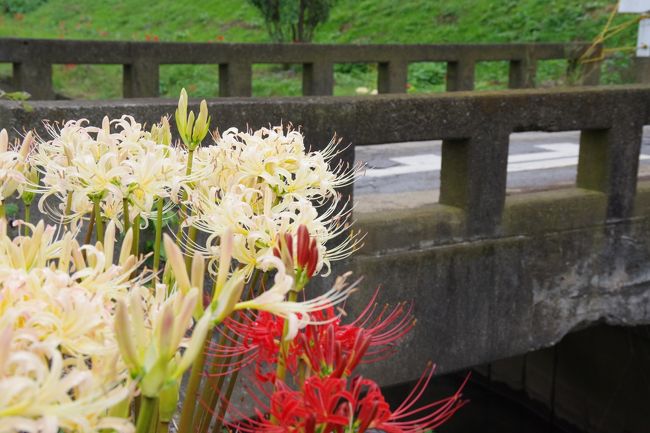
<point x="68" y="207"/>
<point x="192" y="237"/>
<point x="163" y="427"/>
<point x="3" y="213"/>
<point x="91" y="226"/>
<point x="190" y="161"/>
<point x="189" y="405"/>
<point x="193" y="385"/>
<point x="28" y="214"/>
<point x="224" y="406"/>
<point x="281" y="371"/>
<point x="153" y="427"/>
<point x="136" y="236"/>
<point x="156" y="248"/>
<point x="212" y="391"/>
<point x="215" y="380"/>
<point x="302" y="372"/>
<point x="146" y="414"/>
<point x="98" y="220"/>
<point x="125" y="211"/>
<point x="183" y="208"/>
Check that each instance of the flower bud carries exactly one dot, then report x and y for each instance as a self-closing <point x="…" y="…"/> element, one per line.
<point x="224" y="303"/>
<point x="299" y="254"/>
<point x="191" y="129"/>
<point x="161" y="132"/>
<point x="4" y="140"/>
<point x="175" y="259"/>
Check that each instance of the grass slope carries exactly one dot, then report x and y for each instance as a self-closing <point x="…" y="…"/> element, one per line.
<point x="352" y="21"/>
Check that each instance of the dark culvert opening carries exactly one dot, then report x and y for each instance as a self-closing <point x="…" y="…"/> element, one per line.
<point x="595" y="380"/>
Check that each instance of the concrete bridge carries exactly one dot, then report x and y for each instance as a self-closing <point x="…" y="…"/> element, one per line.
<point x="492" y="275"/>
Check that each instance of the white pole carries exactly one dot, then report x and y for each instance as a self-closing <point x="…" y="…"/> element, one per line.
<point x="643" y="40"/>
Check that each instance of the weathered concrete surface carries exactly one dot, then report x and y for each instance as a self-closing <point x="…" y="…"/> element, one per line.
<point x="560" y="267"/>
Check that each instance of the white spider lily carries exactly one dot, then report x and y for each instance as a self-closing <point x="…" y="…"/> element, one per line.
<point x="41" y="392"/>
<point x="118" y="163"/>
<point x="14" y="167"/>
<point x="60" y="297"/>
<point x="297" y="314"/>
<point x="263" y="184"/>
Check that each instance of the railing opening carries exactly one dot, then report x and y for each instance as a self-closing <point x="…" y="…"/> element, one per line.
<point x="201" y="81"/>
<point x="277" y="80"/>
<point x="644" y="158"/>
<point x="398" y="175"/>
<point x="552" y="73"/>
<point x="491" y="75"/>
<point x="84" y="81"/>
<point x="427" y="77"/>
<point x="540" y="161"/>
<point x="6" y="74"/>
<point x="618" y="68"/>
<point x="355" y="79"/>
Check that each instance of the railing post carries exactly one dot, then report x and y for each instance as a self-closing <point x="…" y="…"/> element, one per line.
<point x="392" y="77"/>
<point x="236" y="79"/>
<point x="473" y="178"/>
<point x="460" y="75"/>
<point x="587" y="65"/>
<point x="318" y="79"/>
<point x="609" y="161"/>
<point x="591" y="72"/>
<point x="35" y="78"/>
<point x="522" y="73"/>
<point x="642" y="70"/>
<point x="141" y="79"/>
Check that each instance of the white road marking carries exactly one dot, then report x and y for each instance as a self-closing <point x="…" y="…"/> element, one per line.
<point x="555" y="156"/>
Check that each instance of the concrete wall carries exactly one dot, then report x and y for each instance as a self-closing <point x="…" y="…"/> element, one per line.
<point x="32" y="61"/>
<point x="491" y="275"/>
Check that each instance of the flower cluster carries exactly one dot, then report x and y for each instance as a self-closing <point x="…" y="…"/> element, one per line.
<point x="328" y="347"/>
<point x="94" y="337"/>
<point x="117" y="170"/>
<point x="59" y="362"/>
<point x="335" y="404"/>
<point x="263" y="184"/>
<point x="320" y="354"/>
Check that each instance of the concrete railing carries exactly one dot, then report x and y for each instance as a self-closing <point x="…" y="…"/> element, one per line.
<point x="32" y="61"/>
<point x="491" y="275"/>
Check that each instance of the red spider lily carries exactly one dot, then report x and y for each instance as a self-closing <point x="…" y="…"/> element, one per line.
<point x="329" y="348"/>
<point x="252" y="338"/>
<point x="299" y="253"/>
<point x="332" y="353"/>
<point x="372" y="411"/>
<point x="337" y="405"/>
<point x="383" y="326"/>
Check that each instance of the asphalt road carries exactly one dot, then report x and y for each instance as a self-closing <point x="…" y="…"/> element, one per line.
<point x="402" y="175"/>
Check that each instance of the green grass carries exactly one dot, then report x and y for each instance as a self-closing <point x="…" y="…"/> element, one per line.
<point x="352" y="21"/>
